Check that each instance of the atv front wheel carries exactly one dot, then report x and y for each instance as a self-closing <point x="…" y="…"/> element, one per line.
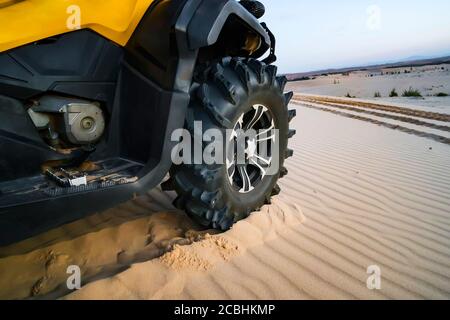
<point x="234" y="94"/>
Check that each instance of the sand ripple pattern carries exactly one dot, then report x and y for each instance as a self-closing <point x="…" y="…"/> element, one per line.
<point x="371" y="196"/>
<point x="353" y="109"/>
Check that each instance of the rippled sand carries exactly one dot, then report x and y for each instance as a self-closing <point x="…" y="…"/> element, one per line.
<point x="357" y="194"/>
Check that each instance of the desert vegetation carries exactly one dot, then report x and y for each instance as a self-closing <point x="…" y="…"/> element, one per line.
<point x="393" y="93"/>
<point x="412" y="93"/>
<point x="348" y="95"/>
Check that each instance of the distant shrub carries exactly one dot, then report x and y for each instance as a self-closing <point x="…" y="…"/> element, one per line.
<point x="301" y="79"/>
<point x="442" y="94"/>
<point x="377" y="95"/>
<point x="411" y="93"/>
<point x="393" y="93"/>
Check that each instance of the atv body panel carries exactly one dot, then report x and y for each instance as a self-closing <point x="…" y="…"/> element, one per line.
<point x="115" y="20"/>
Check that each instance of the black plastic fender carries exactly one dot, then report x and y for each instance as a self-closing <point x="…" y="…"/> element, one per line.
<point x="211" y="16"/>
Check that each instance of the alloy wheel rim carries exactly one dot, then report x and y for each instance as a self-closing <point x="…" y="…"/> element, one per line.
<point x="249" y="157"/>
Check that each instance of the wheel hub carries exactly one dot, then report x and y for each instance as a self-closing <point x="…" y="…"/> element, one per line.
<point x="250" y="152"/>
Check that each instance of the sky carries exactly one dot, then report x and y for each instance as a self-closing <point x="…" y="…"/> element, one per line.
<point x="321" y="34"/>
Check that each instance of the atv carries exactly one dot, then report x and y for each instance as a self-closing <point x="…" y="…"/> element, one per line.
<point x="91" y="93"/>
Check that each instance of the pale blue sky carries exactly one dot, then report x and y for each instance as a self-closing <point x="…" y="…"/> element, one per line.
<point x="320" y="34"/>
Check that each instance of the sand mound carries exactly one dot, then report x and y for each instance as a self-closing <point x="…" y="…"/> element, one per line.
<point x="205" y="264"/>
<point x="212" y="249"/>
<point x="101" y="245"/>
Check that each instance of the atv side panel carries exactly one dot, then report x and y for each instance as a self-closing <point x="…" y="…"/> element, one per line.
<point x="80" y="63"/>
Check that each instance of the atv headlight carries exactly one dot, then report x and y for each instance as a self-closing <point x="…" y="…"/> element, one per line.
<point x="252" y="42"/>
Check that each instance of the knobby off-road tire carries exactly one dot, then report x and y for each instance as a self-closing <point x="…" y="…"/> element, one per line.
<point x="226" y="90"/>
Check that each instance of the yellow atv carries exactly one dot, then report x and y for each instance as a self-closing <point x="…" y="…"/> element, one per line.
<point x="92" y="91"/>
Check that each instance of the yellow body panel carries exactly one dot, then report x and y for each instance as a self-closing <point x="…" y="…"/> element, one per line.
<point x="26" y="21"/>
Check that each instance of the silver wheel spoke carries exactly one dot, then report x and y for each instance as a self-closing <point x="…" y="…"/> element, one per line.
<point x="271" y="137"/>
<point x="237" y="127"/>
<point x="259" y="111"/>
<point x="246" y="182"/>
<point x="272" y="126"/>
<point x="231" y="175"/>
<point x="263" y="171"/>
<point x="264" y="160"/>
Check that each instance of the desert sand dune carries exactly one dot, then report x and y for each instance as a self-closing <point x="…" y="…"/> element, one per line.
<point x="357" y="194"/>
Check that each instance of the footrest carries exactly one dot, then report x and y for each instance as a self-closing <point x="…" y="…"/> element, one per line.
<point x="57" y="181"/>
<point x="66" y="178"/>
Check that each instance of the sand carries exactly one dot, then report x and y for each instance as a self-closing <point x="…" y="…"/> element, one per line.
<point x="102" y="245"/>
<point x="358" y="194"/>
